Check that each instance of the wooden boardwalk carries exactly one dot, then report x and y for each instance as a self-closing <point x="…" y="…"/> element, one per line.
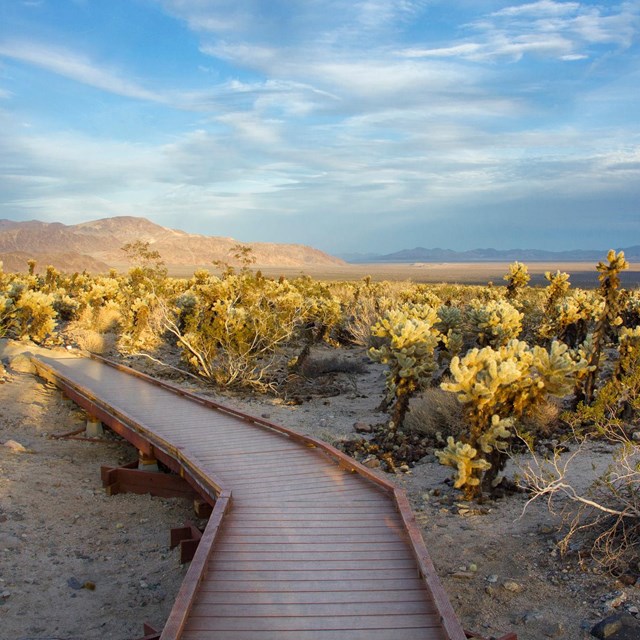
<point x="303" y="542"/>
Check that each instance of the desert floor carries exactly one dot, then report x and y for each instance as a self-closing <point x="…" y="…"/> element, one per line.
<point x="76" y="564"/>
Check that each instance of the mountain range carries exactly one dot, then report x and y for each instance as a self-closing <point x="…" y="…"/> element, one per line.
<point x="97" y="246"/>
<point x="420" y="254"/>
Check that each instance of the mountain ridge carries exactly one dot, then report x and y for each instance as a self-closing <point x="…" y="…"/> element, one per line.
<point x="420" y="254"/>
<point x="101" y="241"/>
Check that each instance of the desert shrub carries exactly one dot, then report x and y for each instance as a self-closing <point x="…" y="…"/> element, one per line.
<point x="604" y="517"/>
<point x="410" y="338"/>
<point x="435" y="414"/>
<point x="232" y="333"/>
<point x="65" y="306"/>
<point x="34" y="315"/>
<point x="316" y="367"/>
<point x="7" y="309"/>
<point x="608" y="321"/>
<point x="494" y="322"/>
<point x="497" y="386"/>
<point x="517" y="279"/>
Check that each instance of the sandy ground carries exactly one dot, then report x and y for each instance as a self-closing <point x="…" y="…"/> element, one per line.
<point x="60" y="535"/>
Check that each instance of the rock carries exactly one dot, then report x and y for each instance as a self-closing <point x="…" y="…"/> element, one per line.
<point x="614" y="600"/>
<point x="512" y="586"/>
<point x="371" y="463"/>
<point x="553" y="630"/>
<point x="463" y="575"/>
<point x="74" y="583"/>
<point x="636" y="436"/>
<point x="492" y="579"/>
<point x="9" y="541"/>
<point x="16" y="447"/>
<point x="532" y="617"/>
<point x="22" y="363"/>
<point x="361" y="427"/>
<point x="620" y="626"/>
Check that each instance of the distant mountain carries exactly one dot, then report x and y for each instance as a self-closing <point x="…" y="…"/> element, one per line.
<point x="99" y="244"/>
<point x="420" y="254"/>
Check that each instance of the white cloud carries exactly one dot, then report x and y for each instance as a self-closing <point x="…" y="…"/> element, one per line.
<point x="76" y="67"/>
<point x="542" y="8"/>
<point x="557" y="30"/>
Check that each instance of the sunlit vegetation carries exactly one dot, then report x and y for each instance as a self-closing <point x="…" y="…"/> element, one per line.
<point x="508" y="354"/>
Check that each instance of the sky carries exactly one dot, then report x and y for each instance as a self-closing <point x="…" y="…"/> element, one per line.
<point x="349" y="125"/>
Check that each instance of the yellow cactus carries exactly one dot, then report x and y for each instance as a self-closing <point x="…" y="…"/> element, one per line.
<point x="496" y="321"/>
<point x="462" y="457"/>
<point x="410" y="341"/>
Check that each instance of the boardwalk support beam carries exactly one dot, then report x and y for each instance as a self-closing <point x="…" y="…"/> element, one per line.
<point x="130" y="479"/>
<point x="188" y="537"/>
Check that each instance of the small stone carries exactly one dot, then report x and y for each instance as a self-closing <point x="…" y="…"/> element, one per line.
<point x="266" y="416"/>
<point x="512" y="586"/>
<point x="531" y="617"/>
<point x="617" y="627"/>
<point x="371" y="463"/>
<point x="614" y="600"/>
<point x="463" y="575"/>
<point x="636" y="436"/>
<point x="361" y="427"/>
<point x="119" y="525"/>
<point x="16" y="447"/>
<point x="633" y="610"/>
<point x="74" y="583"/>
<point x="89" y="586"/>
<point x="554" y="630"/>
<point x="5" y="594"/>
<point x="22" y="363"/>
<point x="473" y="567"/>
<point x="492" y="579"/>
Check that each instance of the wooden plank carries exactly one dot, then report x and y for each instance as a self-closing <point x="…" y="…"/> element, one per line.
<point x="307" y="547"/>
<point x="319" y="574"/>
<point x="269" y="563"/>
<point x="314" y="597"/>
<point x="370" y="584"/>
<point x="324" y="634"/>
<point x="313" y="623"/>
<point x="311" y="610"/>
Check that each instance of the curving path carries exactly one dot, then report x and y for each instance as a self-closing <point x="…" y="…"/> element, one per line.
<point x="303" y="543"/>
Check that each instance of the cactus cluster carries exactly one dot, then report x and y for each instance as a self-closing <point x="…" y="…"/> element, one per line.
<point x="496" y="385"/>
<point x="410" y="338"/>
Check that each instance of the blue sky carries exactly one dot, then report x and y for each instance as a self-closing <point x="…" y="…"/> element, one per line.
<point x="349" y="125"/>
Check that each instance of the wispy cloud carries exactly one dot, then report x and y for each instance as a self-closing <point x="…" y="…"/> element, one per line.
<point x="76" y="67"/>
<point x="548" y="29"/>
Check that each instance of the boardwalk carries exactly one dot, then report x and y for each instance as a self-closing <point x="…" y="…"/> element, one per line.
<point x="303" y="543"/>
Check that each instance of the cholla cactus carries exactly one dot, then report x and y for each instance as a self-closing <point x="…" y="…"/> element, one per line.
<point x="410" y="341"/>
<point x="34" y="315"/>
<point x="6" y="314"/>
<point x="517" y="279"/>
<point x="572" y="316"/>
<point x="558" y="287"/>
<point x="609" y="319"/>
<point x="509" y="381"/>
<point x="495" y="322"/>
<point x="463" y="458"/>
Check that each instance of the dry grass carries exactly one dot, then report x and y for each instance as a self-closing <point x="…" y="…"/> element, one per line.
<point x="316" y="367"/>
<point x="435" y="414"/>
